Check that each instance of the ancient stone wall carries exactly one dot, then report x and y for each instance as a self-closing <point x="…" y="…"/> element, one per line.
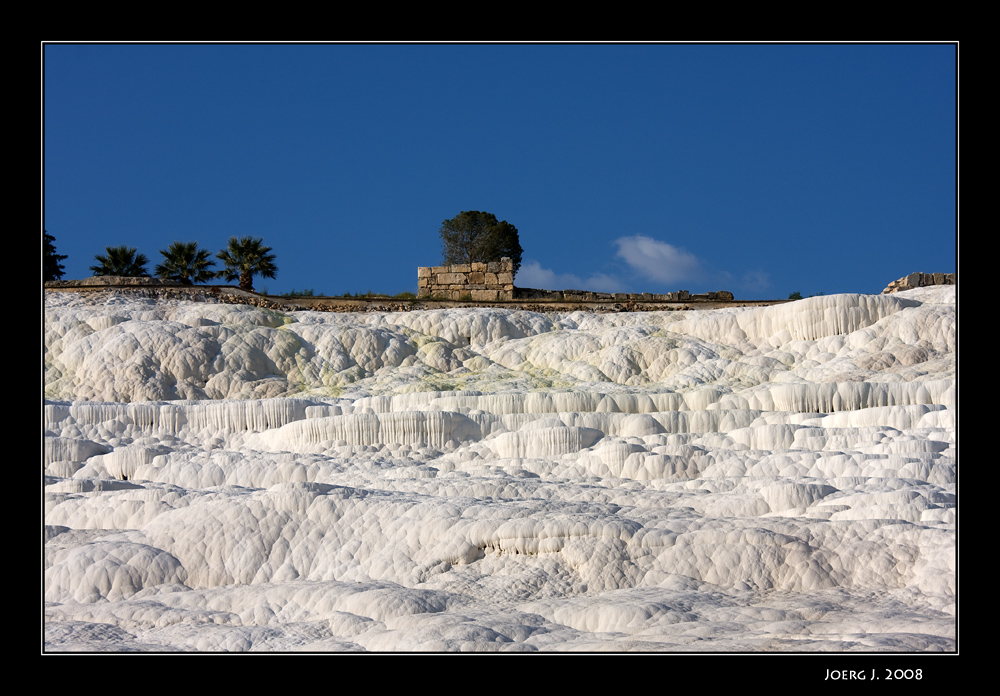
<point x="99" y="290"/>
<point x="587" y="296"/>
<point x="494" y="281"/>
<point x="485" y="282"/>
<point x="109" y="281"/>
<point x="920" y="280"/>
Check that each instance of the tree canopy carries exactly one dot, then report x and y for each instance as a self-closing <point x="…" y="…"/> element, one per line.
<point x="474" y="236"/>
<point x="120" y="261"/>
<point x="185" y="262"/>
<point x="52" y="268"/>
<point x="244" y="258"/>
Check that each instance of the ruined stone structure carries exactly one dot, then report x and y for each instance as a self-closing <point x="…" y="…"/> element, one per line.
<point x="920" y="280"/>
<point x="485" y="282"/>
<point x="109" y="281"/>
<point x="494" y="281"/>
<point x="587" y="296"/>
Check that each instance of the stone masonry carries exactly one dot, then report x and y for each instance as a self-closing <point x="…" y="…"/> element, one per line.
<point x="486" y="282"/>
<point x="920" y="280"/>
<point x="494" y="281"/>
<point x="587" y="296"/>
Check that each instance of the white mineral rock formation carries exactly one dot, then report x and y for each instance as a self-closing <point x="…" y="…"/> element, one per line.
<point x="225" y="478"/>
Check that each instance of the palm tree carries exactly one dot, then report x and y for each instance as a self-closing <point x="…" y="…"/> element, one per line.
<point x="185" y="262"/>
<point x="120" y="261"/>
<point x="246" y="257"/>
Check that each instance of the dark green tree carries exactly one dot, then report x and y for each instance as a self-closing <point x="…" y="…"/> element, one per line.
<point x="473" y="236"/>
<point x="185" y="262"/>
<point x="244" y="258"/>
<point x="795" y="295"/>
<point x="120" y="261"/>
<point x="52" y="268"/>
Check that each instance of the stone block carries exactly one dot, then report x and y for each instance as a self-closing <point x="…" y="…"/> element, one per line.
<point x="423" y="272"/>
<point x="917" y="280"/>
<point x="460" y="268"/>
<point x="505" y="278"/>
<point x="477" y="277"/>
<point x="452" y="279"/>
<point x="478" y="267"/>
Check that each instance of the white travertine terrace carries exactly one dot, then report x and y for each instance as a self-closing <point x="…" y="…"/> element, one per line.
<point x="226" y="478"/>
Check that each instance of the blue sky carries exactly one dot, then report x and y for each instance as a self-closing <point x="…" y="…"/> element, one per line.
<point x="759" y="169"/>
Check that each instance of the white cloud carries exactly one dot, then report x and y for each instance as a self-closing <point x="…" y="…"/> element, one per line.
<point x="756" y="281"/>
<point x="532" y="275"/>
<point x="653" y="266"/>
<point x="656" y="260"/>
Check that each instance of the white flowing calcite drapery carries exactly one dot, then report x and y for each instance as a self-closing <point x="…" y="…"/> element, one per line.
<point x="226" y="478"/>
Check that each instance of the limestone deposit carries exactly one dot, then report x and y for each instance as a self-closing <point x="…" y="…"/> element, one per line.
<point x="223" y="477"/>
